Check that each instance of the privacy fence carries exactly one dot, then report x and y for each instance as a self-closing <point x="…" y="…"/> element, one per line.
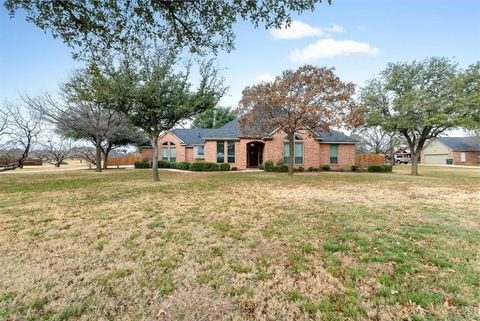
<point x="365" y="160"/>
<point x="126" y="160"/>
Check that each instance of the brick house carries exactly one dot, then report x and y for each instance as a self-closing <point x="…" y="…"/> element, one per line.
<point x="461" y="150"/>
<point x="228" y="145"/>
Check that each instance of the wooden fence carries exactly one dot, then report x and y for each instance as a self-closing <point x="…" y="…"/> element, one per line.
<point x="365" y="160"/>
<point x="126" y="160"/>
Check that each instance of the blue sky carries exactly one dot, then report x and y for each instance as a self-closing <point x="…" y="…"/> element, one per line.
<point x="356" y="37"/>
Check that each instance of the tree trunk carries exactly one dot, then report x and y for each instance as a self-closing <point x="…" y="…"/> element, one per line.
<point x="105" y="157"/>
<point x="291" y="147"/>
<point x="392" y="158"/>
<point x="57" y="164"/>
<point x="414" y="163"/>
<point x="98" y="156"/>
<point x="155" y="174"/>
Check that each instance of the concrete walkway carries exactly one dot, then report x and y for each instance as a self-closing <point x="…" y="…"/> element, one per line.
<point x="452" y="166"/>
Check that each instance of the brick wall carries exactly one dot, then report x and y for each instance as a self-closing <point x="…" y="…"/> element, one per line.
<point x="315" y="154"/>
<point x="470" y="158"/>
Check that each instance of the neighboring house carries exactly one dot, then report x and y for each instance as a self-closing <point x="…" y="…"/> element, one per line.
<point x="460" y="150"/>
<point x="228" y="144"/>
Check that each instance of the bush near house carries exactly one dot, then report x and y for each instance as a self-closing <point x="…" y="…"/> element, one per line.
<point x="142" y="164"/>
<point x="354" y="168"/>
<point x="224" y="167"/>
<point x="183" y="166"/>
<point x="268" y="166"/>
<point x="234" y="168"/>
<point x="164" y="164"/>
<point x="204" y="167"/>
<point x="381" y="168"/>
<point x="325" y="167"/>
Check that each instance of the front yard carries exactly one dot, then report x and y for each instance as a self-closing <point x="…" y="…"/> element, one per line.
<point x="240" y="246"/>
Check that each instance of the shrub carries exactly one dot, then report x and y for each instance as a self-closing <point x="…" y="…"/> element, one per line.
<point x="204" y="167"/>
<point x="281" y="168"/>
<point x="268" y="166"/>
<point x="183" y="166"/>
<point x="234" y="168"/>
<point x="301" y="169"/>
<point x="381" y="168"/>
<point x="387" y="168"/>
<point x="280" y="162"/>
<point x="311" y="169"/>
<point x="142" y="164"/>
<point x="224" y="167"/>
<point x="354" y="168"/>
<point x="325" y="167"/>
<point x="164" y="164"/>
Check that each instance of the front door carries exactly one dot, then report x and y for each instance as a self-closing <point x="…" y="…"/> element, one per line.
<point x="253" y="156"/>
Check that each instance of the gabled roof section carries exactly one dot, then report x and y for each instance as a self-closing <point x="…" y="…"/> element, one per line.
<point x="192" y="136"/>
<point x="231" y="130"/>
<point x="333" y="136"/>
<point x="461" y="144"/>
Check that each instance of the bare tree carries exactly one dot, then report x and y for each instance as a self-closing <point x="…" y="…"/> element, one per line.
<point x="84" y="120"/>
<point x="87" y="154"/>
<point x="3" y="124"/>
<point x="24" y="128"/>
<point x="56" y="151"/>
<point x="374" y="139"/>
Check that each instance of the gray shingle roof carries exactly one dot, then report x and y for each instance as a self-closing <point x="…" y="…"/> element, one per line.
<point x="461" y="144"/>
<point x="335" y="137"/>
<point x="231" y="130"/>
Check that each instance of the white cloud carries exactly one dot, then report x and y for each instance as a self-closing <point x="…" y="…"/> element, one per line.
<point x="331" y="48"/>
<point x="300" y="29"/>
<point x="265" y="78"/>
<point x="335" y="29"/>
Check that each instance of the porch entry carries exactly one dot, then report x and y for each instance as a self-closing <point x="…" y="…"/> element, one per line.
<point x="254" y="154"/>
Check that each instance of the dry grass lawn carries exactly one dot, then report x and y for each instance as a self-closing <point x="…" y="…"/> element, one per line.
<point x="240" y="246"/>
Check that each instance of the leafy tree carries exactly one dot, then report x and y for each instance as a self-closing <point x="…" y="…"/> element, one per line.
<point x="93" y="28"/>
<point x="214" y="118"/>
<point x="156" y="98"/>
<point x="310" y="98"/>
<point x="419" y="100"/>
<point x="468" y="91"/>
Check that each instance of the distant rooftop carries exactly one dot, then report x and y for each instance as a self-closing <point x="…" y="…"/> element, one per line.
<point x="461" y="144"/>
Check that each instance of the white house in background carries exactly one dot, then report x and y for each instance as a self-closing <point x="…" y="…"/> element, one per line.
<point x="460" y="150"/>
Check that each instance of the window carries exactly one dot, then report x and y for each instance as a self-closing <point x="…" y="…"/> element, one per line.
<point x="220" y="151"/>
<point x="462" y="156"/>
<point x="199" y="151"/>
<point x="231" y="151"/>
<point x="173" y="154"/>
<point x="333" y="154"/>
<point x="298" y="153"/>
<point x="165" y="153"/>
<point x="296" y="137"/>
